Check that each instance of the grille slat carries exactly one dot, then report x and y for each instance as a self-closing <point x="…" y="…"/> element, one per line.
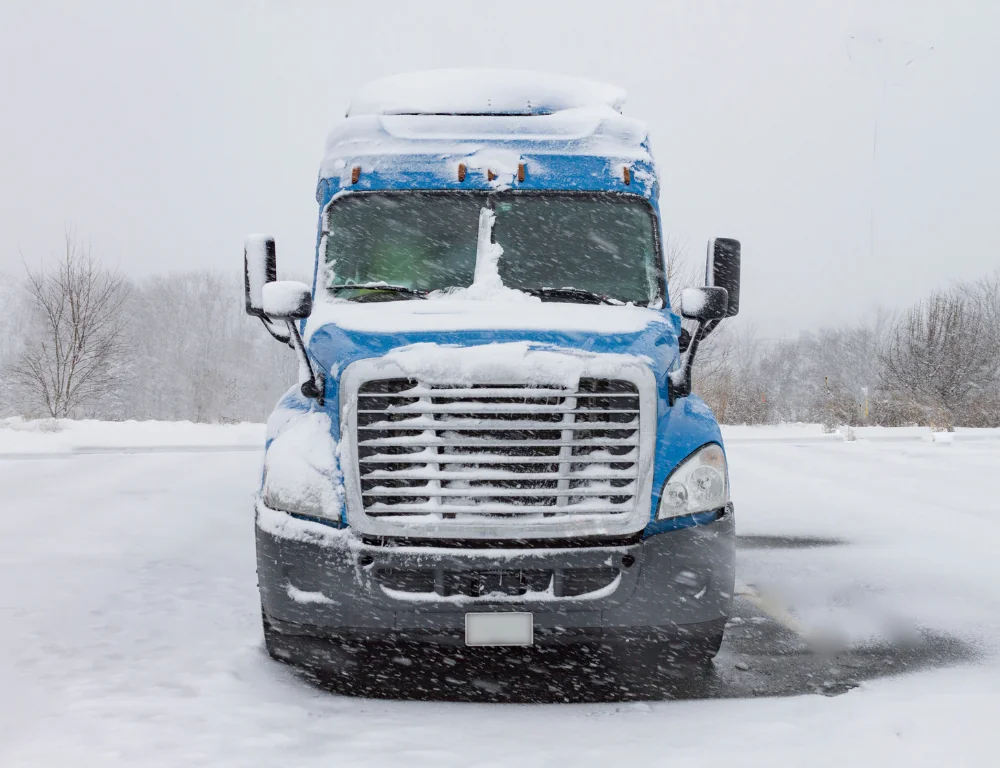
<point x="483" y="425"/>
<point x="505" y="408"/>
<point x="499" y="511"/>
<point x="475" y="493"/>
<point x="421" y="440"/>
<point x="533" y="393"/>
<point x="497" y="453"/>
<point x="486" y="458"/>
<point x="474" y="477"/>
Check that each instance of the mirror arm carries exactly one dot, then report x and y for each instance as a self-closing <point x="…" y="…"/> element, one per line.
<point x="313" y="386"/>
<point x="709" y="326"/>
<point x="275" y="331"/>
<point x="680" y="380"/>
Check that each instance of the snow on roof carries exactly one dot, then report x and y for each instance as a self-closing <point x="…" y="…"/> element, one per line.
<point x="482" y="92"/>
<point x="426" y="124"/>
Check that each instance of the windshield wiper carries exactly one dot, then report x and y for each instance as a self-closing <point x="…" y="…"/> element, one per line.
<point x="573" y="294"/>
<point x="378" y="288"/>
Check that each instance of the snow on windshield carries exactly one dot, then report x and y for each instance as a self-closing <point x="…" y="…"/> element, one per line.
<point x="599" y="244"/>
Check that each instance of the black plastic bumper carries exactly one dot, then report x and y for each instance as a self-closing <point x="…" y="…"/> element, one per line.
<point x="326" y="587"/>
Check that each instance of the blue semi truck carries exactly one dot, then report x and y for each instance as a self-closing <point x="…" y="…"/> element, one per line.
<point x="493" y="440"/>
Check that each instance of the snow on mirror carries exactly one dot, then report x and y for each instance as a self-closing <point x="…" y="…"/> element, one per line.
<point x="259" y="268"/>
<point x="704" y="303"/>
<point x="284" y="299"/>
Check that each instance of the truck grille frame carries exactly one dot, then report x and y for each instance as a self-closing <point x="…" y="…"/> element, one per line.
<point x="497" y="460"/>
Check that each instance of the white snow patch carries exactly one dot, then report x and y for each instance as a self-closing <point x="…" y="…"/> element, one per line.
<point x="481" y="91"/>
<point x="692" y="301"/>
<point x="284" y="526"/>
<point x="255" y="248"/>
<point x="455" y="313"/>
<point x="408" y="144"/>
<point x="502" y="162"/>
<point x="132" y="618"/>
<point x="67" y="436"/>
<point x="520" y="362"/>
<point x="301" y="472"/>
<point x="283" y="298"/>
<point x="306" y="598"/>
<point x="283" y="412"/>
<point x="487" y="285"/>
<point x="814" y="433"/>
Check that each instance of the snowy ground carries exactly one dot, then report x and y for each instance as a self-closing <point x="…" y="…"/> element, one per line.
<point x="130" y="625"/>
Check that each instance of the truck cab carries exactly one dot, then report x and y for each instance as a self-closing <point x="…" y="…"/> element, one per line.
<point x="493" y="440"/>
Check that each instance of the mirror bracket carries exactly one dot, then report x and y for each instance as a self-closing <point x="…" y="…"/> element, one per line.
<point x="722" y="275"/>
<point x="276" y="331"/>
<point x="679" y="381"/>
<point x="314" y="385"/>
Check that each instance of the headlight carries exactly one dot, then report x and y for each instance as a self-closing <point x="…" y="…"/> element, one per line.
<point x="699" y="484"/>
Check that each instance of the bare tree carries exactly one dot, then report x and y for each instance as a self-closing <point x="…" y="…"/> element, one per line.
<point x="942" y="353"/>
<point x="77" y="341"/>
<point x="212" y="362"/>
<point x="680" y="272"/>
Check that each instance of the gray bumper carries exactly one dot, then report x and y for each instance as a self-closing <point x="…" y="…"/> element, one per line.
<point x="325" y="585"/>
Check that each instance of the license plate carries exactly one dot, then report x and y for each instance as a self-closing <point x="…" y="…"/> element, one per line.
<point x="508" y="628"/>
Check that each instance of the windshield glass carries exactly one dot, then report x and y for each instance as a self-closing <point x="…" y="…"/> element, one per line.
<point x="417" y="242"/>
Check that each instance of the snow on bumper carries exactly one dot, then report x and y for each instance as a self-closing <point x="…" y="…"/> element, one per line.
<point x="319" y="581"/>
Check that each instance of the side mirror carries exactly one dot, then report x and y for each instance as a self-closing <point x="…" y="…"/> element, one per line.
<point x="260" y="266"/>
<point x="723" y="270"/>
<point x="704" y="303"/>
<point x="286" y="300"/>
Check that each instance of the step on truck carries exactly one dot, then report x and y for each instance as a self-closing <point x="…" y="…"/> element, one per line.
<point x="493" y="440"/>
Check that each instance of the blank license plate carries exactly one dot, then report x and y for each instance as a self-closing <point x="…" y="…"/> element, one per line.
<point x="499" y="629"/>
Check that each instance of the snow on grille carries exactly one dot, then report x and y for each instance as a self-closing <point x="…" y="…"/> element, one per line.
<point x="497" y="452"/>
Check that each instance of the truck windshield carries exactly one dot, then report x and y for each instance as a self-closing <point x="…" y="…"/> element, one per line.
<point x="384" y="246"/>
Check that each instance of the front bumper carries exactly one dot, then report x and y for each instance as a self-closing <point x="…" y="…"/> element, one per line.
<point x="322" y="584"/>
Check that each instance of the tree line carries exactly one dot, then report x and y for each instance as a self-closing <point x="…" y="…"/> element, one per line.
<point x="81" y="340"/>
<point x="936" y="363"/>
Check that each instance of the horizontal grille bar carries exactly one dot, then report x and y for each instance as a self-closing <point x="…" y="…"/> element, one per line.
<point x="406" y="474"/>
<point x="473" y="392"/>
<point x="419" y="440"/>
<point x="489" y="458"/>
<point x="526" y="408"/>
<point x="496" y="509"/>
<point x="475" y="425"/>
<point x="499" y="493"/>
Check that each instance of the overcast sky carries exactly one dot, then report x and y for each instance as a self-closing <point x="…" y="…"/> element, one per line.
<point x="162" y="132"/>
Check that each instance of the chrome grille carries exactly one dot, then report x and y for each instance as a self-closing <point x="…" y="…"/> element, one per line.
<point x="499" y="453"/>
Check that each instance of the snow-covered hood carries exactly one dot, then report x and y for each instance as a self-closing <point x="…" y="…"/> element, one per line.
<point x="338" y="333"/>
<point x="448" y="340"/>
<point x="451" y="315"/>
